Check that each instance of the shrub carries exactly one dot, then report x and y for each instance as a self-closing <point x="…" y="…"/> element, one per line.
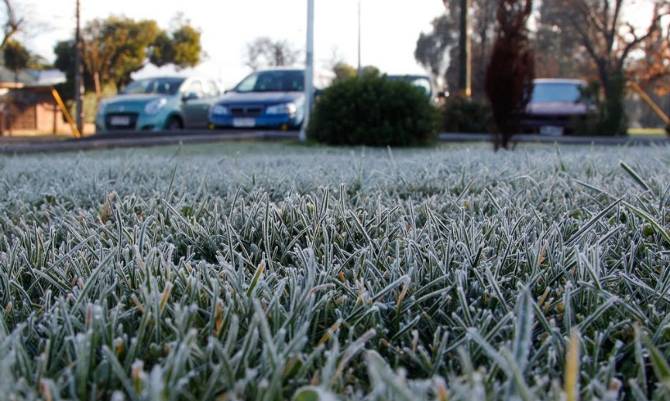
<point x="609" y="117"/>
<point x="510" y="73"/>
<point x="462" y="114"/>
<point x="374" y="111"/>
<point x="613" y="119"/>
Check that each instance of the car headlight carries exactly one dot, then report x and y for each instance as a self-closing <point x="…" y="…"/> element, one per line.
<point x="101" y="108"/>
<point x="219" y="110"/>
<point x="155" y="106"/>
<point x="286" y="108"/>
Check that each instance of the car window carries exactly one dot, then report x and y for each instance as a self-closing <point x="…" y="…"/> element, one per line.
<point x="161" y="86"/>
<point x="423" y="84"/>
<point x="195" y="87"/>
<point x="273" y="81"/>
<point x="212" y="89"/>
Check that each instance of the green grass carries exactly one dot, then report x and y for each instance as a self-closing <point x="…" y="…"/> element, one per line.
<point x="275" y="272"/>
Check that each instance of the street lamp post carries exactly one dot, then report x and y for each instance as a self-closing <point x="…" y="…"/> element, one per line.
<point x="360" y="63"/>
<point x="78" y="79"/>
<point x="465" y="46"/>
<point x="309" y="70"/>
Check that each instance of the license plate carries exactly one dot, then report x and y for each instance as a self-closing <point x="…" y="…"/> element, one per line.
<point x="120" y="121"/>
<point x="244" y="123"/>
<point x="551" y="131"/>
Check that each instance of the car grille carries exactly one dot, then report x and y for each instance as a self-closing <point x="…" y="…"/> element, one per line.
<point x="539" y="120"/>
<point x="246" y="111"/>
<point x="112" y="121"/>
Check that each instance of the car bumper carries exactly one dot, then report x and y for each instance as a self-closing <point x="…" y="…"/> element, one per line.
<point x="139" y="122"/>
<point x="284" y="121"/>
<point x="538" y="123"/>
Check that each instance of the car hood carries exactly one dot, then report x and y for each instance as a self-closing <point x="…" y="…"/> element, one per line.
<point x="557" y="108"/>
<point x="260" y="97"/>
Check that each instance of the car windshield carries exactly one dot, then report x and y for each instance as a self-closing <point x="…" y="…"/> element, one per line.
<point x="273" y="81"/>
<point x="557" y="92"/>
<point x="159" y="86"/>
<point x="422" y="83"/>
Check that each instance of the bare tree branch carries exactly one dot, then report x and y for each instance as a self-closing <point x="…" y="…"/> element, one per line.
<point x="12" y="25"/>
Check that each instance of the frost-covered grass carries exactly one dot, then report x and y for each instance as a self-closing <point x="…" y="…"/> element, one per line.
<point x="249" y="272"/>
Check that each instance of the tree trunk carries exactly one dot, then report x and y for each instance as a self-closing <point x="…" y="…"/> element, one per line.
<point x="613" y="119"/>
<point x="98" y="86"/>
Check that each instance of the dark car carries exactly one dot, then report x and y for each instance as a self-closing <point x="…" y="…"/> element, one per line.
<point x="272" y="98"/>
<point x="557" y="107"/>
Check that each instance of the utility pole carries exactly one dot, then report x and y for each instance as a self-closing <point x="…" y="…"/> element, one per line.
<point x="465" y="51"/>
<point x="78" y="79"/>
<point x="360" y="65"/>
<point x="309" y="70"/>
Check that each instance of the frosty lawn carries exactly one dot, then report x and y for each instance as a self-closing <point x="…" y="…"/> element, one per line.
<point x="266" y="272"/>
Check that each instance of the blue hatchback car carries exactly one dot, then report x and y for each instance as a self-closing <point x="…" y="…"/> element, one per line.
<point x="272" y="98"/>
<point x="158" y="104"/>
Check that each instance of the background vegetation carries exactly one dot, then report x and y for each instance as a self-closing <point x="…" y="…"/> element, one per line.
<point x="373" y="110"/>
<point x="625" y="47"/>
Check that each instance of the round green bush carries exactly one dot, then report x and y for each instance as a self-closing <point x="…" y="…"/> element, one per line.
<point x="373" y="111"/>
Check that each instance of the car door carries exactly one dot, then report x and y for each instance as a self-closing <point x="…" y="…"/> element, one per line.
<point x="195" y="105"/>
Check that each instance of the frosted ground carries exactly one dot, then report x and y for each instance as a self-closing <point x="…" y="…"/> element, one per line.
<point x="267" y="272"/>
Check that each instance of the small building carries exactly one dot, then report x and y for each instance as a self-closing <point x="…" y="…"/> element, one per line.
<point x="27" y="105"/>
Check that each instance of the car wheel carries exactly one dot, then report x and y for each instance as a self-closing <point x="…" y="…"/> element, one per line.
<point x="174" y="124"/>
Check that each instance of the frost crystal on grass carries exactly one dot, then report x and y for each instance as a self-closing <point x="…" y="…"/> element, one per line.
<point x="273" y="272"/>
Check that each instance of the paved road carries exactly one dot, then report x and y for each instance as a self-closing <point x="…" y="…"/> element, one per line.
<point x="136" y="140"/>
<point x="131" y="140"/>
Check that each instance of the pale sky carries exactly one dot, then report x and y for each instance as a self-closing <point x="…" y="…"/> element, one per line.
<point x="390" y="27"/>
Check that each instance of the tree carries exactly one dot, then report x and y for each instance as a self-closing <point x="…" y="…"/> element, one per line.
<point x="511" y="70"/>
<point x="432" y="47"/>
<point x="610" y="40"/>
<point x="344" y="71"/>
<point x="653" y="70"/>
<point x="438" y="50"/>
<point x="181" y="48"/>
<point x="116" y="47"/>
<point x="558" y="52"/>
<point x="265" y="52"/>
<point x="16" y="56"/>
<point x="12" y="25"/>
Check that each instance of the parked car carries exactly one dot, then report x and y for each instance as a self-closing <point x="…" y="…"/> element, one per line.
<point x="420" y="81"/>
<point x="557" y="107"/>
<point x="156" y="104"/>
<point x="271" y="98"/>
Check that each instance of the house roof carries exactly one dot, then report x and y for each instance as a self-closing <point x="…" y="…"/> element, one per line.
<point x="29" y="78"/>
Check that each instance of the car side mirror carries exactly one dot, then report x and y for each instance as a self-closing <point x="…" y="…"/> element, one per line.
<point x="188" y="96"/>
<point x="227" y="91"/>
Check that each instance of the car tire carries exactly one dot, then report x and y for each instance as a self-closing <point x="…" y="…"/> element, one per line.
<point x="174" y="123"/>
